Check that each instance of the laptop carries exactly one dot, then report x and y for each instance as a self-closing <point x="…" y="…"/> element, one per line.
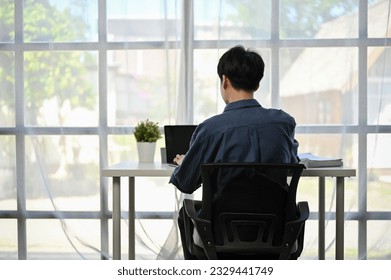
<point x="177" y="139"/>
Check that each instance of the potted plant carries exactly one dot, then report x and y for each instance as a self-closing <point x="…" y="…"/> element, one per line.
<point x="146" y="134"/>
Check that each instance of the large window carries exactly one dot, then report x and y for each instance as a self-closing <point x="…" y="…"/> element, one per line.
<point x="77" y="76"/>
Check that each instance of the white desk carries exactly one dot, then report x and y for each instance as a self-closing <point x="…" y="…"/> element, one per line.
<point x="135" y="169"/>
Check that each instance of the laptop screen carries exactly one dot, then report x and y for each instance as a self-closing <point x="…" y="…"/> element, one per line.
<point x="177" y="139"/>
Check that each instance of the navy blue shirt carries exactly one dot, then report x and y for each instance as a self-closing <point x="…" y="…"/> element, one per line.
<point x="244" y="132"/>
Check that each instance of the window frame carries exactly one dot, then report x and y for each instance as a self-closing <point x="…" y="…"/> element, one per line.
<point x="362" y="129"/>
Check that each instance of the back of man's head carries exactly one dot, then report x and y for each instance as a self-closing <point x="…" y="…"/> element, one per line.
<point x="244" y="68"/>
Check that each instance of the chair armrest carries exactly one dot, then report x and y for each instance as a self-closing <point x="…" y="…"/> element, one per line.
<point x="293" y="229"/>
<point x="202" y="226"/>
<point x="190" y="209"/>
<point x="304" y="211"/>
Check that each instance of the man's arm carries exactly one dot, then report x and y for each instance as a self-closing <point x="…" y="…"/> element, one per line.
<point x="178" y="159"/>
<point x="187" y="176"/>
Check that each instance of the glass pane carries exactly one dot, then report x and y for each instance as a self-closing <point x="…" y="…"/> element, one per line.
<point x="142" y="85"/>
<point x="230" y="19"/>
<point x="62" y="172"/>
<point x="207" y="98"/>
<point x="8" y="239"/>
<point x="60" y="21"/>
<point x="7" y="173"/>
<point x="164" y="198"/>
<point x="7" y="22"/>
<point x="379" y="86"/>
<point x="330" y="145"/>
<point x="379" y="173"/>
<point x="154" y="234"/>
<point x="122" y="148"/>
<point x="63" y="239"/>
<point x="351" y="239"/>
<point x="7" y="86"/>
<point x="308" y="191"/>
<point x="379" y="18"/>
<point x="319" y="19"/>
<point x="379" y="240"/>
<point x="319" y="85"/>
<point x="151" y="235"/>
<point x="61" y="88"/>
<point x="147" y="20"/>
<point x="310" y="250"/>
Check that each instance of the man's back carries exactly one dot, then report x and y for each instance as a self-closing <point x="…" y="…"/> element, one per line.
<point x="244" y="132"/>
<point x="248" y="132"/>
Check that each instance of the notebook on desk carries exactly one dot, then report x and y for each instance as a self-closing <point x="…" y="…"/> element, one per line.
<point x="313" y="161"/>
<point x="177" y="139"/>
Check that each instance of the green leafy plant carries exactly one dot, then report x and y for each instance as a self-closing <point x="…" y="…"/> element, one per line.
<point x="147" y="131"/>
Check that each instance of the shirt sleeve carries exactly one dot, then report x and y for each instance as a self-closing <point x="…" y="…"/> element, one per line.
<point x="295" y="144"/>
<point x="187" y="176"/>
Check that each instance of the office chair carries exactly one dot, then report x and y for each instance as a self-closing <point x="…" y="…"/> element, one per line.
<point x="248" y="211"/>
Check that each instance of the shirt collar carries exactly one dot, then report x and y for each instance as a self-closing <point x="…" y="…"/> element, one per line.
<point x="242" y="104"/>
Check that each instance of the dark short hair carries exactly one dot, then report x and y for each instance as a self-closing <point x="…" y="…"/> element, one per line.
<point x="244" y="68"/>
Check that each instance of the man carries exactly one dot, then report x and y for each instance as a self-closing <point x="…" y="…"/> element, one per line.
<point x="244" y="132"/>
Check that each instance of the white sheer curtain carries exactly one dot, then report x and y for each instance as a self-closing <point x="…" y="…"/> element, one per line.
<point x="327" y="65"/>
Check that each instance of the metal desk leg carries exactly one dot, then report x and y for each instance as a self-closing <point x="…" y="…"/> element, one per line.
<point x="116" y="218"/>
<point x="340" y="220"/>
<point x="321" y="222"/>
<point x="132" y="250"/>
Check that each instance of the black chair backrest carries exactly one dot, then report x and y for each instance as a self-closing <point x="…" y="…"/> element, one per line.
<point x="249" y="203"/>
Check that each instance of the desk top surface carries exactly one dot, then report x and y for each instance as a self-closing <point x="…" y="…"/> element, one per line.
<point x="134" y="168"/>
<point x="157" y="169"/>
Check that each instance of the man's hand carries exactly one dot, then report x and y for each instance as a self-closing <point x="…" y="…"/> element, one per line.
<point x="178" y="159"/>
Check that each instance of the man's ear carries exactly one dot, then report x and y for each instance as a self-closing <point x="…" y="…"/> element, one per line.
<point x="225" y="82"/>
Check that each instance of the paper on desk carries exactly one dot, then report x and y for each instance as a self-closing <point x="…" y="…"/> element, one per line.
<point x="311" y="160"/>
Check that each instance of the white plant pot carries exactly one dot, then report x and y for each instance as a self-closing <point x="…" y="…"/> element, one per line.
<point x="146" y="151"/>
